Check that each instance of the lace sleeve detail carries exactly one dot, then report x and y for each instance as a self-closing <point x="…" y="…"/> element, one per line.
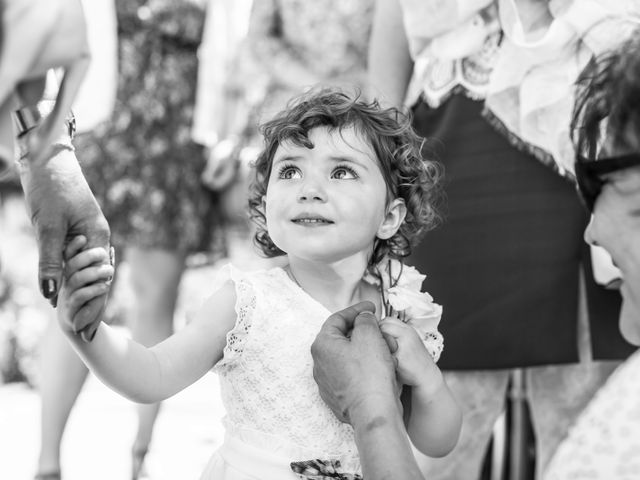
<point x="245" y="307"/>
<point x="434" y="343"/>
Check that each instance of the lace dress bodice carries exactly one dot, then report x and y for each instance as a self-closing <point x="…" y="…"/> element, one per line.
<point x="266" y="379"/>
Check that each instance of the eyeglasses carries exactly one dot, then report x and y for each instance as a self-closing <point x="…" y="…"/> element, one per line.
<point x="589" y="173"/>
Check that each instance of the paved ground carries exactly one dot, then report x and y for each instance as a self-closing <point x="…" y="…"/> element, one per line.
<point x="101" y="427"/>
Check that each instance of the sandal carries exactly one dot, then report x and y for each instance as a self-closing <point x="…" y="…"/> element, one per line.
<point x="55" y="475"/>
<point x="137" y="463"/>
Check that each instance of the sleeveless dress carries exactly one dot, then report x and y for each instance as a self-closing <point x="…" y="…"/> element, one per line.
<point x="275" y="414"/>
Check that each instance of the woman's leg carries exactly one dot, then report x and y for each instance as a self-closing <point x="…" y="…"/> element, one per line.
<point x="155" y="278"/>
<point x="62" y="376"/>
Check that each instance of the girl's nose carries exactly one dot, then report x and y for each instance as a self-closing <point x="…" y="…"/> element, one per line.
<point x="312" y="191"/>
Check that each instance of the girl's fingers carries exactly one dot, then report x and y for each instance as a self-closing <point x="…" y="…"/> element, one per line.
<point x="75" y="245"/>
<point x="392" y="343"/>
<point x="394" y="328"/>
<point x="90" y="275"/>
<point x="86" y="258"/>
<point x="82" y="296"/>
<point x="393" y="320"/>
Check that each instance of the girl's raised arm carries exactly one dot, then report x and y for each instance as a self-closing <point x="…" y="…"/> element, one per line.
<point x="149" y="375"/>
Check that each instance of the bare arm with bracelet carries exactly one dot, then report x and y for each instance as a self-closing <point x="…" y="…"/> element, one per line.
<point x="38" y="36"/>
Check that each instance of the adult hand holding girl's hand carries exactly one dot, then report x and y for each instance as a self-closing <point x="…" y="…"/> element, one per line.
<point x="357" y="380"/>
<point x="354" y="373"/>
<point x="61" y="205"/>
<point x="87" y="276"/>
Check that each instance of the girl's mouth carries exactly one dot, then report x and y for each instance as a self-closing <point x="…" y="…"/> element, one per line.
<point x="311" y="221"/>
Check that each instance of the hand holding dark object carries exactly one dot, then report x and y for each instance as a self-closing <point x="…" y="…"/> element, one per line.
<point x="61" y="206"/>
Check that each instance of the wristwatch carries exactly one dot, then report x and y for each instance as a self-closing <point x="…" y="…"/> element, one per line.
<point x="29" y="117"/>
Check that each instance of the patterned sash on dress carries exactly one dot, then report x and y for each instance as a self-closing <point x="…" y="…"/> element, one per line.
<point x="322" y="470"/>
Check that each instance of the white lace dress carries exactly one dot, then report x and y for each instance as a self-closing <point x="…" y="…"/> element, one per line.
<point x="275" y="415"/>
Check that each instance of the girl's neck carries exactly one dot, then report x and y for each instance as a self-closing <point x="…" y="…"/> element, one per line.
<point x="335" y="285"/>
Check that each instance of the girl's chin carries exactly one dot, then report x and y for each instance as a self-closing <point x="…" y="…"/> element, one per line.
<point x="327" y="257"/>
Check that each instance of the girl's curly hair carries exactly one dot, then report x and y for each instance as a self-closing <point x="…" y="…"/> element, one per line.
<point x="609" y="87"/>
<point x="406" y="173"/>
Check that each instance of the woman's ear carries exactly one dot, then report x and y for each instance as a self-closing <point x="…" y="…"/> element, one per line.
<point x="396" y="211"/>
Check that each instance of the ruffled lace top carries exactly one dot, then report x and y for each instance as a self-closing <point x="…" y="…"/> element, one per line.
<point x="522" y="57"/>
<point x="266" y="373"/>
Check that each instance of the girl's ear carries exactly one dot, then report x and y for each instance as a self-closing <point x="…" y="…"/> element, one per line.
<point x="396" y="211"/>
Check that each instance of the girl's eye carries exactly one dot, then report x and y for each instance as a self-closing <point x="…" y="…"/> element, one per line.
<point x="344" y="172"/>
<point x="289" y="172"/>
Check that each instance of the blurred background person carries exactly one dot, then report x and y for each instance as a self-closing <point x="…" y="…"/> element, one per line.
<point x="299" y="44"/>
<point x="228" y="87"/>
<point x="491" y="83"/>
<point x="255" y="57"/>
<point x="144" y="168"/>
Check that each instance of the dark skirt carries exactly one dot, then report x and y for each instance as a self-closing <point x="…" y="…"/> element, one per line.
<point x="505" y="263"/>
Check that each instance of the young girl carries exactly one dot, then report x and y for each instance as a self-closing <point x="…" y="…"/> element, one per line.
<point x="342" y="191"/>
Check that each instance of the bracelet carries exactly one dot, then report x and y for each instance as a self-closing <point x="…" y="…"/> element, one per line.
<point x="29" y="117"/>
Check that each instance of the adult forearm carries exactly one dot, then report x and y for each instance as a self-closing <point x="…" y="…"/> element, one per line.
<point x="390" y="64"/>
<point x="383" y="444"/>
<point x="122" y="364"/>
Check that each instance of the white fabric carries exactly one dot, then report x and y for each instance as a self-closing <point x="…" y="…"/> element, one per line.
<point x="532" y="85"/>
<point x="604" y="444"/>
<point x="266" y="378"/>
<point x="275" y="414"/>
<point x="97" y="95"/>
<point x="26" y="27"/>
<point x="39" y="35"/>
<point x="239" y="460"/>
<point x="225" y="29"/>
<point x="528" y="81"/>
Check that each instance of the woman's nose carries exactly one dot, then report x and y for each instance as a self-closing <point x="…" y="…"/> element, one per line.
<point x="590" y="232"/>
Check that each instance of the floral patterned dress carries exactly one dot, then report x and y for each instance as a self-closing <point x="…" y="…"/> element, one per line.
<point x="143" y="166"/>
<point x="299" y="43"/>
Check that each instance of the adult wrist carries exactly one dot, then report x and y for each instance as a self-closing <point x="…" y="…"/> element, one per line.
<point x="28" y="118"/>
<point x="374" y="412"/>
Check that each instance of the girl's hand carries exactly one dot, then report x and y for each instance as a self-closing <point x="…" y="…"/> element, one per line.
<point x="87" y="275"/>
<point x="415" y="367"/>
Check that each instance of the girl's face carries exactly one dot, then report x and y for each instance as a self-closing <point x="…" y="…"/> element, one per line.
<point x="329" y="202"/>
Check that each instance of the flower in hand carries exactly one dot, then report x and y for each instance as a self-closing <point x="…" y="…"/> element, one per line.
<point x="400" y="287"/>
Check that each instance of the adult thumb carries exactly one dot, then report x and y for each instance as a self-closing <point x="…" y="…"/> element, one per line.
<point x="50" y="245"/>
